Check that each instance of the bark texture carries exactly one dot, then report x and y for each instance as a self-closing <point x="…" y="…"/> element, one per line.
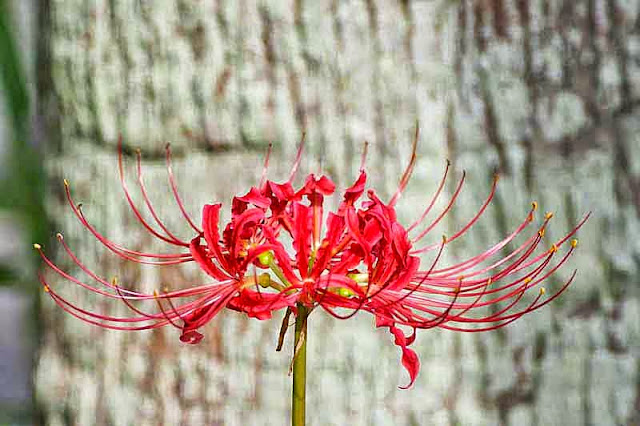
<point x="545" y="91"/>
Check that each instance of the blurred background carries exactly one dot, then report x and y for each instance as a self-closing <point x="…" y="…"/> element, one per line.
<point x="547" y="92"/>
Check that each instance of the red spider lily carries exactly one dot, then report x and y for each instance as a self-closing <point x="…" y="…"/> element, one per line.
<point x="360" y="258"/>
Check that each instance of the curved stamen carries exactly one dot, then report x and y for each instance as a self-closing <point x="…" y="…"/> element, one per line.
<point x="473" y="220"/>
<point x="426" y="276"/>
<point x="463" y="267"/>
<point x="116" y="248"/>
<point x="132" y="205"/>
<point x="296" y="163"/>
<point x="263" y="177"/>
<point x="442" y="214"/>
<point x="164" y="313"/>
<point x="148" y="203"/>
<point x="407" y="172"/>
<point x="131" y="306"/>
<point x="76" y="311"/>
<point x="363" y="156"/>
<point x="176" y="194"/>
<point x="434" y="198"/>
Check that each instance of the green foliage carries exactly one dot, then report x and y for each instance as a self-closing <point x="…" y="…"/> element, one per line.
<point x="22" y="180"/>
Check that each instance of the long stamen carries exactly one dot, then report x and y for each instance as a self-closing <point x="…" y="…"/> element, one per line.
<point x="176" y="194"/>
<point x="464" y="267"/>
<point x="116" y="248"/>
<point x="108" y="243"/>
<point x="475" y="218"/>
<point x="263" y="177"/>
<point x="147" y="201"/>
<point x="296" y="163"/>
<point x="528" y="282"/>
<point x="80" y="313"/>
<point x="443" y="213"/>
<point x="130" y="305"/>
<point x="132" y="205"/>
<point x="363" y="156"/>
<point x="166" y="315"/>
<point x="434" y="198"/>
<point x="426" y="276"/>
<point x="407" y="173"/>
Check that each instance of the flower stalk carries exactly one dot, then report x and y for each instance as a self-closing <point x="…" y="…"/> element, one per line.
<point x="298" y="395"/>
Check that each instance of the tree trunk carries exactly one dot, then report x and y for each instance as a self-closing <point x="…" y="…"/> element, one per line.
<point x="546" y="92"/>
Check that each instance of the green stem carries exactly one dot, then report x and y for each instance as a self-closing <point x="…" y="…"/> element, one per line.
<point x="298" y="396"/>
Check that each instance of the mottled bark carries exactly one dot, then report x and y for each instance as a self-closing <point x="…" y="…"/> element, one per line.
<point x="545" y="91"/>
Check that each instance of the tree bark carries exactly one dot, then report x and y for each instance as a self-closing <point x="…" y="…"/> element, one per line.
<point x="546" y="92"/>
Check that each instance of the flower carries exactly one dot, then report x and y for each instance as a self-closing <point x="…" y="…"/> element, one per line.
<point x="279" y="252"/>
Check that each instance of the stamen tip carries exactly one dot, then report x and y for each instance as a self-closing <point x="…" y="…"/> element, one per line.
<point x="66" y="182"/>
<point x="59" y="236"/>
<point x="534" y="205"/>
<point x="46" y="288"/>
<point x="548" y="215"/>
<point x="574" y="243"/>
<point x="542" y="291"/>
<point x="553" y="248"/>
<point x="37" y="246"/>
<point x="444" y="239"/>
<point x="266" y="258"/>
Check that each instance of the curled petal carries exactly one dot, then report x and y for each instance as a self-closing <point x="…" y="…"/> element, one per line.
<point x="191" y="336"/>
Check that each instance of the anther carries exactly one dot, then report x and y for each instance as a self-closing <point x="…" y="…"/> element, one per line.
<point x="542" y="291"/>
<point x="534" y="205"/>
<point x="66" y="182"/>
<point x="444" y="239"/>
<point x="541" y="233"/>
<point x="345" y="292"/>
<point x="264" y="280"/>
<point x="553" y="248"/>
<point x="574" y="243"/>
<point x="46" y="288"/>
<point x="59" y="236"/>
<point x="37" y="246"/>
<point x="265" y="258"/>
<point x="548" y="215"/>
<point x="528" y="280"/>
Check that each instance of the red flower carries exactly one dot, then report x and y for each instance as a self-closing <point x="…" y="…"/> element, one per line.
<point x="364" y="259"/>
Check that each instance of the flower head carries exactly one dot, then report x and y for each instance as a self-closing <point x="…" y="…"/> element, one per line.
<point x="280" y="251"/>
